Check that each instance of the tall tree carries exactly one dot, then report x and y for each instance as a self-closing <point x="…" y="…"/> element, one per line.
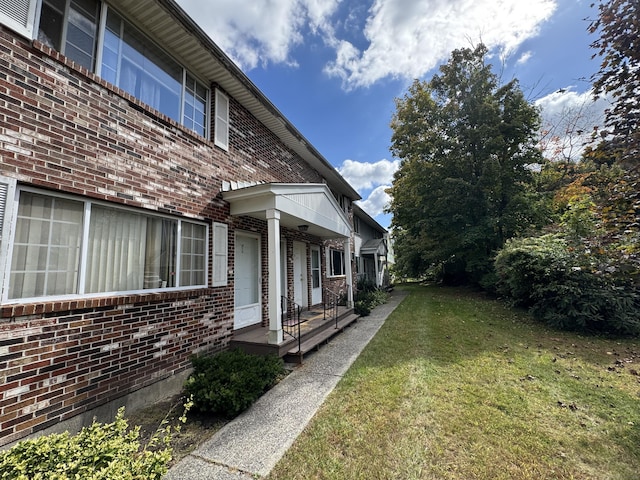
<point x="465" y="145"/>
<point x="618" y="27"/>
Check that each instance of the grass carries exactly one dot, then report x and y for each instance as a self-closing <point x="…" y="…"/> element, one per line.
<point x="455" y="386"/>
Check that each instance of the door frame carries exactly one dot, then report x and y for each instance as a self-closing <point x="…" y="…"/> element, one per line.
<point x="316" y="293"/>
<point x="250" y="314"/>
<point x="300" y="285"/>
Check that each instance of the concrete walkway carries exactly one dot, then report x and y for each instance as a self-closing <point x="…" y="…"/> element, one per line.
<point x="250" y="445"/>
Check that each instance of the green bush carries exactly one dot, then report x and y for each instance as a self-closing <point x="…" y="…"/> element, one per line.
<point x="582" y="301"/>
<point x="562" y="287"/>
<point x="361" y="308"/>
<point x="525" y="264"/>
<point x="229" y="382"/>
<point x="99" y="452"/>
<point x="366" y="285"/>
<point x="367" y="299"/>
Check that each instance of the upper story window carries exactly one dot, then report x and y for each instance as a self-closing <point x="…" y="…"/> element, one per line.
<point x="124" y="57"/>
<point x="76" y="38"/>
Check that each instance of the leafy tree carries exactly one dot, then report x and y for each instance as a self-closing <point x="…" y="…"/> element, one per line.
<point x="465" y="145"/>
<point x="618" y="26"/>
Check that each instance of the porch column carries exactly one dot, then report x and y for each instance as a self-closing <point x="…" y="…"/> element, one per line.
<point x="349" y="271"/>
<point x="376" y="258"/>
<point x="275" y="308"/>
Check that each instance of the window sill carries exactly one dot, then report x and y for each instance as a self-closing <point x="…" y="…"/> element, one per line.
<point x="72" y="304"/>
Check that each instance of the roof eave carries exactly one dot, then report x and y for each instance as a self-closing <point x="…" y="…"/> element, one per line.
<point x="180" y="34"/>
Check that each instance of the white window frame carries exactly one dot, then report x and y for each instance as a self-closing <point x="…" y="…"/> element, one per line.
<point x="221" y="126"/>
<point x="220" y="254"/>
<point x="100" y="40"/>
<point x="330" y="267"/>
<point x="8" y="234"/>
<point x="21" y="18"/>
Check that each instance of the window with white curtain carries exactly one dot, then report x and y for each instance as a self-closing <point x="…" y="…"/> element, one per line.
<point x="125" y="250"/>
<point x="124" y="56"/>
<point x="46" y="248"/>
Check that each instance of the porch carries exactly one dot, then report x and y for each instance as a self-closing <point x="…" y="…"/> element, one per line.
<point x="307" y="332"/>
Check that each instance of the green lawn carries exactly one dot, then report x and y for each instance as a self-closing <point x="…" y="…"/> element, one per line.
<point x="455" y="386"/>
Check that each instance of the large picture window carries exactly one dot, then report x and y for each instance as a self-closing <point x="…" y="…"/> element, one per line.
<point x="129" y="59"/>
<point x="123" y="250"/>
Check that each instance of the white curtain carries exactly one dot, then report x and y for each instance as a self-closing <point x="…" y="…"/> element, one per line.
<point x="116" y="251"/>
<point x="46" y="248"/>
<point x="160" y="254"/>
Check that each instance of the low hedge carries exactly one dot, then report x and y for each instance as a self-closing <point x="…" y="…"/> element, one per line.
<point x="109" y="451"/>
<point x="229" y="382"/>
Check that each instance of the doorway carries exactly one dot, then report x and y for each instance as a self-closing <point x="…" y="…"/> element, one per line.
<point x="300" y="289"/>
<point x="247" y="280"/>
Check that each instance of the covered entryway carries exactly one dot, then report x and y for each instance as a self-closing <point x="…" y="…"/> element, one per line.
<point x="309" y="208"/>
<point x="374" y="255"/>
<point x="247" y="280"/>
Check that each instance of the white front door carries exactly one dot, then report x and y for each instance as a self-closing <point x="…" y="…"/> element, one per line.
<point x="247" y="280"/>
<point x="300" y="274"/>
<point x="316" y="278"/>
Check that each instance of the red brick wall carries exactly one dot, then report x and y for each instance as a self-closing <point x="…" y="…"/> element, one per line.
<point x="63" y="129"/>
<point x="59" y="364"/>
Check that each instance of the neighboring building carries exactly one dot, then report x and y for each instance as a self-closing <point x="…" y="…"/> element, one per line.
<point x="372" y="249"/>
<point x="153" y="204"/>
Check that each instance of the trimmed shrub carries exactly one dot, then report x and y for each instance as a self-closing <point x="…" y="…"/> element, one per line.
<point x="99" y="452"/>
<point x="229" y="382"/>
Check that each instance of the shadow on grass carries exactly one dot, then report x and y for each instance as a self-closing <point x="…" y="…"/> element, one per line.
<point x="495" y="357"/>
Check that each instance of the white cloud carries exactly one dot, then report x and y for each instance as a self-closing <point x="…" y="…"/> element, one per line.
<point x="402" y="38"/>
<point x="258" y="32"/>
<point x="524" y="58"/>
<point x="364" y="175"/>
<point x="376" y="202"/>
<point x="407" y="38"/>
<point x="568" y="121"/>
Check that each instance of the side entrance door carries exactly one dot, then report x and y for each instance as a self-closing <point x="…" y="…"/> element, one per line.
<point x="247" y="280"/>
<point x="300" y="274"/>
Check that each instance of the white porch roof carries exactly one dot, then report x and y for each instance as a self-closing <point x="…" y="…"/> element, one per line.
<point x="310" y="204"/>
<point x="374" y="246"/>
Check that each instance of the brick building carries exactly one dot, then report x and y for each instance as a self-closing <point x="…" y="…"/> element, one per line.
<point x="153" y="204"/>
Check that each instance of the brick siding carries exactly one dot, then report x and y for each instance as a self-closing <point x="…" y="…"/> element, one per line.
<point x="65" y="130"/>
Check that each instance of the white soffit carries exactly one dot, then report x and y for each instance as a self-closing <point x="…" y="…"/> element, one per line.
<point x="175" y="31"/>
<point x="310" y="204"/>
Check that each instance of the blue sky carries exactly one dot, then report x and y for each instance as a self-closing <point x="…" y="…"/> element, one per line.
<point x="334" y="67"/>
